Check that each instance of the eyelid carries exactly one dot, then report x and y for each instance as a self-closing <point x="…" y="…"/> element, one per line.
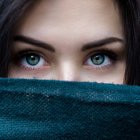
<point x="108" y="52"/>
<point x="20" y="54"/>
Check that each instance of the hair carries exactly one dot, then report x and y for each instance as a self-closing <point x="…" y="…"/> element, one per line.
<point x="12" y="10"/>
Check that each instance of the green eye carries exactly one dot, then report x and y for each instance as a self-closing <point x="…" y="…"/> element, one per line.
<point x="32" y="59"/>
<point x="98" y="59"/>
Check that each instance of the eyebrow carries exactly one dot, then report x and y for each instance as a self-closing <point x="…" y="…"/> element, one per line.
<point x="91" y="45"/>
<point x="37" y="43"/>
<point x="101" y="43"/>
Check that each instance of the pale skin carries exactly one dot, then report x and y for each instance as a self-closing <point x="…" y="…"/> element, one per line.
<point x="71" y="40"/>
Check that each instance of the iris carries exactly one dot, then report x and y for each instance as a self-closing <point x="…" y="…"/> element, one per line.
<point x="98" y="59"/>
<point x="32" y="59"/>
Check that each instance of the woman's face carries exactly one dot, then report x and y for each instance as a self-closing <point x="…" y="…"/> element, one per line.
<point x="72" y="40"/>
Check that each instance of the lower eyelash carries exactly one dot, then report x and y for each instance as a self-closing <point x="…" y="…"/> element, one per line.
<point x="17" y="57"/>
<point x="109" y="53"/>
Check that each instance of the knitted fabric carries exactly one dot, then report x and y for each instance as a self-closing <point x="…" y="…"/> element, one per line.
<point x="59" y="110"/>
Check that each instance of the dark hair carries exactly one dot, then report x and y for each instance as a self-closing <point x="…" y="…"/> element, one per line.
<point x="12" y="10"/>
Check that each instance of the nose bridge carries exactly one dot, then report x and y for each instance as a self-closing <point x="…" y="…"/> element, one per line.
<point x="68" y="71"/>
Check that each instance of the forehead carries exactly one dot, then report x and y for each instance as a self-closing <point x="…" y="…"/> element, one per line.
<point x="90" y="18"/>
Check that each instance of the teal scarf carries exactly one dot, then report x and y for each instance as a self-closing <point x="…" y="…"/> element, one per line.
<point x="58" y="110"/>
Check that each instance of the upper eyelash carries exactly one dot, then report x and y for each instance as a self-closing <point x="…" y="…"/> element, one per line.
<point x="111" y="54"/>
<point x="22" y="53"/>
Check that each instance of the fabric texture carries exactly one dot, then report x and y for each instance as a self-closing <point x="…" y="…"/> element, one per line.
<point x="58" y="110"/>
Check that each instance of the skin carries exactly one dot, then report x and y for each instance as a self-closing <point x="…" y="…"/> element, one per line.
<point x="68" y="26"/>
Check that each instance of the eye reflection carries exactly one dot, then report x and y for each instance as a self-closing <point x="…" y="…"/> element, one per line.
<point x="31" y="60"/>
<point x="98" y="59"/>
<point x="101" y="60"/>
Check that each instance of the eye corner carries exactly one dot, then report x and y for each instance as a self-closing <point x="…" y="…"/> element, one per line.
<point x="29" y="59"/>
<point x="101" y="56"/>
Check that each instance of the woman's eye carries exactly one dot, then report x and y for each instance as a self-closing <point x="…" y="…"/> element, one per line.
<point x="99" y="60"/>
<point x="32" y="60"/>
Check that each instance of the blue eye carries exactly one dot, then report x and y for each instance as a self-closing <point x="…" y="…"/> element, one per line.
<point x="99" y="60"/>
<point x="32" y="60"/>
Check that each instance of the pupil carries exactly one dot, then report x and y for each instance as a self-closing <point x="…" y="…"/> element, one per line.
<point x="32" y="59"/>
<point x="98" y="59"/>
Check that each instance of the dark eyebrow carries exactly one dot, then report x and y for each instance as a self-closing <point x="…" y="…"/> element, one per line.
<point x="37" y="43"/>
<point x="101" y="43"/>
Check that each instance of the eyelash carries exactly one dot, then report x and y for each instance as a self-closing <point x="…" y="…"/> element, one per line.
<point x="22" y="54"/>
<point x="106" y="52"/>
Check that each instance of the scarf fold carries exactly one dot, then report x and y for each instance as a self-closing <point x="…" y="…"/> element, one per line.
<point x="59" y="110"/>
